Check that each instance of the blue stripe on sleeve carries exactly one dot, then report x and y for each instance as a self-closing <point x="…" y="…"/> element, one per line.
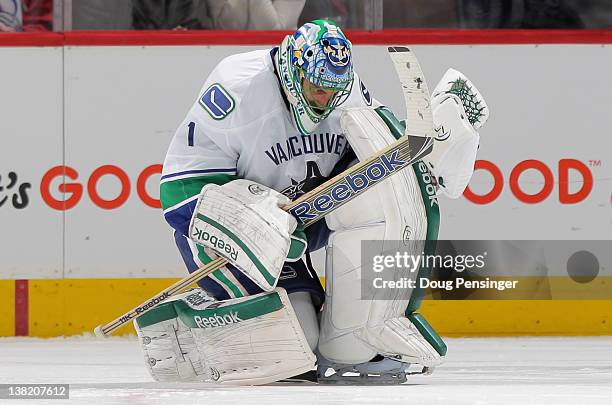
<point x="201" y="171"/>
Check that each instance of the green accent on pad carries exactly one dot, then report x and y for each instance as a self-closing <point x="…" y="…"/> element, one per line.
<point x="250" y="308"/>
<point x="174" y="192"/>
<point x="430" y="200"/>
<point x="428" y="333"/>
<point x="298" y="243"/>
<point x="228" y="314"/>
<point x="219" y="274"/>
<point x="296" y="249"/>
<point x="396" y="127"/>
<point x="271" y="280"/>
<point x="202" y="256"/>
<point x="432" y="211"/>
<point x="223" y="279"/>
<point x="160" y="313"/>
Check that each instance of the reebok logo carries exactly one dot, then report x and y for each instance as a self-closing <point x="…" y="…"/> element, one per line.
<point x="347" y="188"/>
<point x="202" y="236"/>
<point x="152" y="303"/>
<point x="216" y="320"/>
<point x="428" y="181"/>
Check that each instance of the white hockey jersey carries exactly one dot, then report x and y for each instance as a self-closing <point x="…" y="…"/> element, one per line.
<point x="240" y="127"/>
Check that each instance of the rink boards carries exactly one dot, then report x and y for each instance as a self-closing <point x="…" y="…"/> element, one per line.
<point x="94" y="113"/>
<point x="64" y="307"/>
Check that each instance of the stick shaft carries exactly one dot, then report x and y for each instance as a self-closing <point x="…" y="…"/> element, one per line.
<point x="174" y="289"/>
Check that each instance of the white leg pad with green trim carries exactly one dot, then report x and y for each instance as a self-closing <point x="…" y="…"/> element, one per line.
<point x="354" y="330"/>
<point x="244" y="341"/>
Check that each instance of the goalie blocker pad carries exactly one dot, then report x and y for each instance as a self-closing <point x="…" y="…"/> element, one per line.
<point x="354" y="330"/>
<point x="243" y="222"/>
<point x="244" y="341"/>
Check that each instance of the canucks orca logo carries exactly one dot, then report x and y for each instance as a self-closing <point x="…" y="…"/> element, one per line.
<point x="217" y="102"/>
<point x="337" y="53"/>
<point x="313" y="179"/>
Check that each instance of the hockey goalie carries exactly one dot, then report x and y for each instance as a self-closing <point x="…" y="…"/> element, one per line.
<point x="267" y="127"/>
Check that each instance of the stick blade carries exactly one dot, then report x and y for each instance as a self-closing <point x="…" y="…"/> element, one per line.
<point x="420" y="146"/>
<point x="419" y="119"/>
<point x="398" y="49"/>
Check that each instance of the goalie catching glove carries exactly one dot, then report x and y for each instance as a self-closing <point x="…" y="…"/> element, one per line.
<point x="243" y="221"/>
<point x="459" y="111"/>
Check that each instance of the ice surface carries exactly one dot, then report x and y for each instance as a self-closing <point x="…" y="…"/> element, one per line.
<point x="513" y="371"/>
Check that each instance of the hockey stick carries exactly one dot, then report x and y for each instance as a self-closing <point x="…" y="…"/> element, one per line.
<point x="419" y="119"/>
<point x="342" y="188"/>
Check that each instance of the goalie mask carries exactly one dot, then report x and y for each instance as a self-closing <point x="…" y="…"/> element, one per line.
<point x="316" y="72"/>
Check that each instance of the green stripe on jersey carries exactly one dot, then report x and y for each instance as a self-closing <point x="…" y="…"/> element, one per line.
<point x="174" y="192"/>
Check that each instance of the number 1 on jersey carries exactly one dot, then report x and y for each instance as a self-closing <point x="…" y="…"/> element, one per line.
<point x="191" y="132"/>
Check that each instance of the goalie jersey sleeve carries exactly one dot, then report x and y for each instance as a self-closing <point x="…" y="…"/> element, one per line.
<point x="200" y="153"/>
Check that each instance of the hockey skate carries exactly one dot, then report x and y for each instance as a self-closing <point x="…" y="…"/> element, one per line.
<point x="380" y="370"/>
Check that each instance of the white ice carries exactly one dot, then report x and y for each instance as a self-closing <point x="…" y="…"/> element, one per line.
<point x="512" y="371"/>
